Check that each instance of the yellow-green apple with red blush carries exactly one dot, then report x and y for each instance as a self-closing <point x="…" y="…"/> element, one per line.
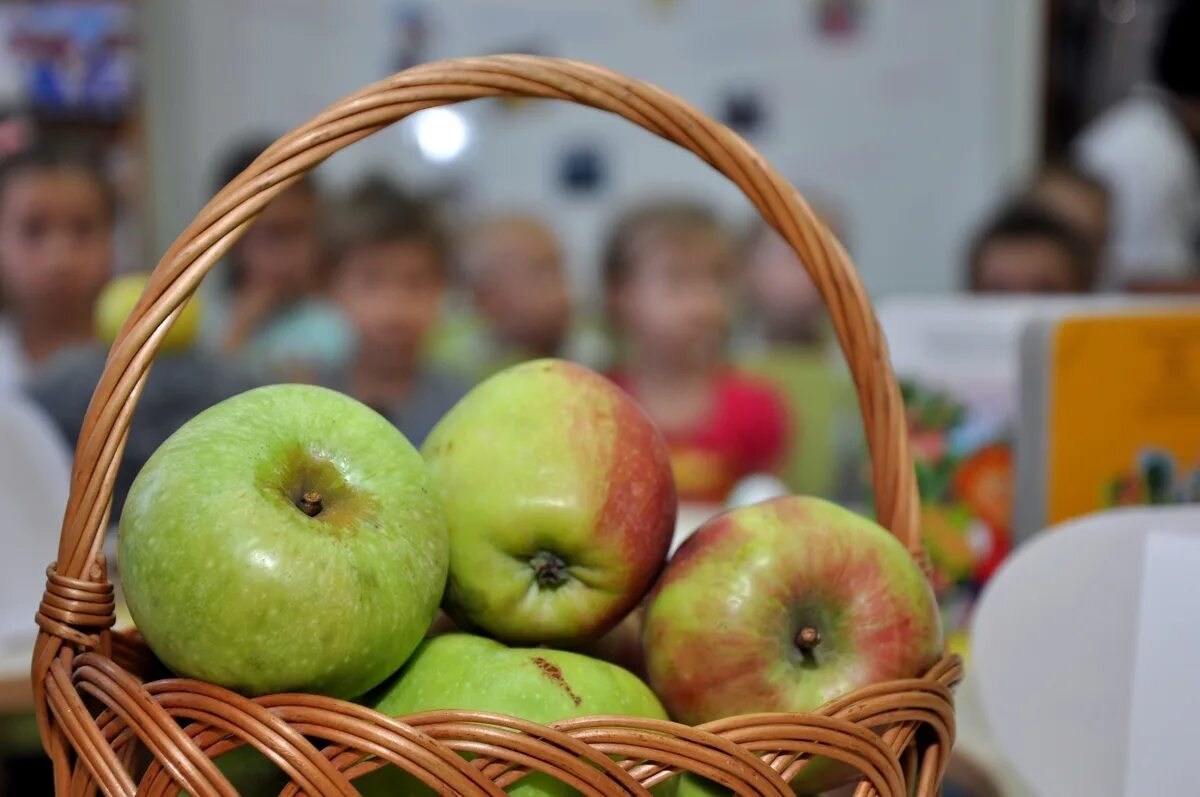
<point x="783" y="606"/>
<point x="559" y="501"/>
<point x="286" y="539"/>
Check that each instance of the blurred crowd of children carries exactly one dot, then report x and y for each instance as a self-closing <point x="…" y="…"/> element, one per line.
<point x="719" y="333"/>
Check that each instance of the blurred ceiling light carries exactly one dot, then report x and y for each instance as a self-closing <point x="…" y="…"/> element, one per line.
<point x="442" y="134"/>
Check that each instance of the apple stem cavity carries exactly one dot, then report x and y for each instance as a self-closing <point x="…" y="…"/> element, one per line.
<point x="310" y="503"/>
<point x="549" y="569"/>
<point x="807" y="639"/>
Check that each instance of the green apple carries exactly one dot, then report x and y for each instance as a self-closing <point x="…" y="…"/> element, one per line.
<point x="692" y="785"/>
<point x="462" y="671"/>
<point x="250" y="772"/>
<point x="784" y="606"/>
<point x="284" y="540"/>
<point x="117" y="301"/>
<point x="559" y="501"/>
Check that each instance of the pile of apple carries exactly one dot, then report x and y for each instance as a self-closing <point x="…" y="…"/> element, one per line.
<point x="290" y="539"/>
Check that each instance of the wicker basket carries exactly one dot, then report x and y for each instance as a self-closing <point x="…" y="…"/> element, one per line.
<point x="107" y="727"/>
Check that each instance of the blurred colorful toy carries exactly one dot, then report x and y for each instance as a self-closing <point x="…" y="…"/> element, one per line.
<point x="966" y="491"/>
<point x="1156" y="478"/>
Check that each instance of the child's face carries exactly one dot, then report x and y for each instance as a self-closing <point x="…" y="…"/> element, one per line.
<point x="781" y="291"/>
<point x="674" y="303"/>
<point x="55" y="242"/>
<point x="392" y="293"/>
<point x="281" y="248"/>
<point x="1024" y="265"/>
<point x="1077" y="205"/>
<point x="521" y="291"/>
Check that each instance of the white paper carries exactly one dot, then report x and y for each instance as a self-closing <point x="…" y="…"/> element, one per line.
<point x="1163" y="730"/>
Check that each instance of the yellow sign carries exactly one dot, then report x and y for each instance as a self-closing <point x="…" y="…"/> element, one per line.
<point x="1124" y="413"/>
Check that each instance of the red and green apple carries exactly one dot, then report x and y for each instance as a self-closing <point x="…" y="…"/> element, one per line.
<point x="783" y="606"/>
<point x="559" y="500"/>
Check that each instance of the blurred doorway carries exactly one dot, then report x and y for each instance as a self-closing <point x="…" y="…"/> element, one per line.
<point x="1097" y="50"/>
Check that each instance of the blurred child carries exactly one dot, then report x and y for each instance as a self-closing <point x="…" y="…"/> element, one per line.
<point x="667" y="274"/>
<point x="56" y="223"/>
<point x="799" y="358"/>
<point x="1078" y="198"/>
<point x="389" y="278"/>
<point x="1028" y="249"/>
<point x="182" y="383"/>
<point x="56" y="240"/>
<point x="275" y="315"/>
<point x="514" y="269"/>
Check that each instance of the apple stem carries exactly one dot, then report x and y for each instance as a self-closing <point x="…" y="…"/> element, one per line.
<point x="310" y="503"/>
<point x="549" y="569"/>
<point x="808" y="638"/>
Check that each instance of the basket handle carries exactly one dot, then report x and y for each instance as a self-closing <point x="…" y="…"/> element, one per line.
<point x="226" y="216"/>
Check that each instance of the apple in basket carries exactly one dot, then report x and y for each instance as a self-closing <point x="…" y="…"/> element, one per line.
<point x="462" y="671"/>
<point x="118" y="299"/>
<point x="784" y="606"/>
<point x="286" y="539"/>
<point x="559" y="501"/>
<point x="622" y="645"/>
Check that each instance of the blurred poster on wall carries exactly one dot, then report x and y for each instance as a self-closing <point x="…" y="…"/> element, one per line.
<point x="69" y="80"/>
<point x="838" y="19"/>
<point x="74" y="59"/>
<point x="411" y="32"/>
<point x="11" y="69"/>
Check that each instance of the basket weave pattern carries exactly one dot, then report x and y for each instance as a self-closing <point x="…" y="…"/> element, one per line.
<point x="108" y="727"/>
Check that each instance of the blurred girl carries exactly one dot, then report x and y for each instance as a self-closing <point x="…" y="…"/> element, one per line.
<point x="56" y="221"/>
<point x="667" y="272"/>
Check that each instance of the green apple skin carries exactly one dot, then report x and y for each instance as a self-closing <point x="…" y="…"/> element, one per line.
<point x="251" y="773"/>
<point x="692" y="785"/>
<point x="231" y="582"/>
<point x="722" y="625"/>
<point x="549" y="469"/>
<point x="463" y="671"/>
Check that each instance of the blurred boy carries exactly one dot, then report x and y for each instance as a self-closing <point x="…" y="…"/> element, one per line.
<point x="1028" y="249"/>
<point x="56" y="242"/>
<point x="797" y="356"/>
<point x="56" y="253"/>
<point x="388" y="275"/>
<point x="276" y="315"/>
<point x="667" y="273"/>
<point x="1078" y="198"/>
<point x="521" y="308"/>
<point x="514" y="270"/>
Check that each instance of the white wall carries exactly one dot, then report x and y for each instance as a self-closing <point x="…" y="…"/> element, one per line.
<point x="914" y="128"/>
